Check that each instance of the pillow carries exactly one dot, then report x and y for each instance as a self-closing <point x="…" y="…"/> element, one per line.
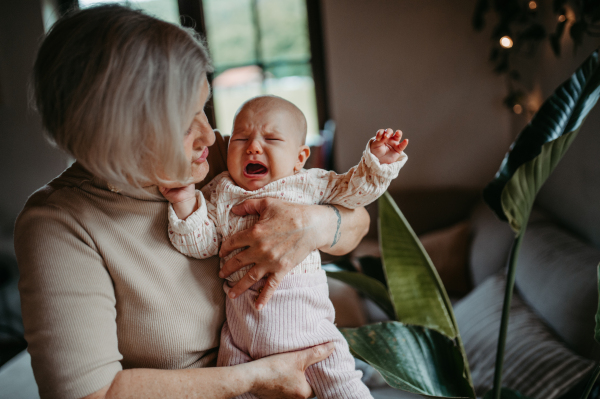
<point x="535" y="362"/>
<point x="448" y="249"/>
<point x="491" y="243"/>
<point x="554" y="261"/>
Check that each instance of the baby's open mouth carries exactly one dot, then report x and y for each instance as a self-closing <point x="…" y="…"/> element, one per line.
<point x="255" y="170"/>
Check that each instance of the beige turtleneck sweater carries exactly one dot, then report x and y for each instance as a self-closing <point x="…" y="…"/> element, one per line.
<point x="103" y="289"/>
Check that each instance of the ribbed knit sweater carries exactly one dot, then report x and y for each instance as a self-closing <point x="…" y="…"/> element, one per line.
<point x="102" y="288"/>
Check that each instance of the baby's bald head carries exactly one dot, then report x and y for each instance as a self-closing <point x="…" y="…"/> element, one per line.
<point x="267" y="104"/>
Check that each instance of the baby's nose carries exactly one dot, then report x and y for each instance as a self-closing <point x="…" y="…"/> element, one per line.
<point x="254" y="148"/>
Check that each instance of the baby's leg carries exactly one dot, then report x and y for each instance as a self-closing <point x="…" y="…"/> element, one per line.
<point x="300" y="315"/>
<point x="230" y="355"/>
<point x="336" y="376"/>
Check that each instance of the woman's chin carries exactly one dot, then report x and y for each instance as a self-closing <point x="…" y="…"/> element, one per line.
<point x="199" y="172"/>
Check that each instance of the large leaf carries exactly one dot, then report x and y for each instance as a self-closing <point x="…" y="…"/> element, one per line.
<point x="412" y="358"/>
<point x="597" y="333"/>
<point x="541" y="145"/>
<point x="505" y="393"/>
<point x="414" y="285"/>
<point x="373" y="289"/>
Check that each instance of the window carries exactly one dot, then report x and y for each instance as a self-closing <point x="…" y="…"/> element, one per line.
<point x="258" y="47"/>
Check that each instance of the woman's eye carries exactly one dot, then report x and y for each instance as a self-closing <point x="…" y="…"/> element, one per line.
<point x="239" y="140"/>
<point x="274" y="140"/>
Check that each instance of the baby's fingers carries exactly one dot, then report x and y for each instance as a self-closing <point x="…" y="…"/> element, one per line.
<point x="401" y="146"/>
<point x="397" y="135"/>
<point x="379" y="134"/>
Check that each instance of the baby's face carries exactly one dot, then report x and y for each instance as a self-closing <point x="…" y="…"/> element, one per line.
<point x="265" y="146"/>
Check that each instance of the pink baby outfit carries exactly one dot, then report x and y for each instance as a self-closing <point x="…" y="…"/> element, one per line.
<point x="300" y="314"/>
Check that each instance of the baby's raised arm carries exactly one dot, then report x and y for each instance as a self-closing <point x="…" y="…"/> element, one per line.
<point x="191" y="231"/>
<point x="387" y="146"/>
<point x="380" y="164"/>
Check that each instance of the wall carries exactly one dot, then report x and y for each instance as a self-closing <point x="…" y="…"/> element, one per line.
<point x="27" y="161"/>
<point x="572" y="193"/>
<point x="417" y="66"/>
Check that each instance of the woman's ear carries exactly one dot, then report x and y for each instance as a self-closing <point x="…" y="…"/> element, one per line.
<point x="303" y="155"/>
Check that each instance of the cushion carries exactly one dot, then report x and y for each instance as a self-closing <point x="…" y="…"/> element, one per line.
<point x="536" y="363"/>
<point x="448" y="249"/>
<point x="556" y="276"/>
<point x="492" y="239"/>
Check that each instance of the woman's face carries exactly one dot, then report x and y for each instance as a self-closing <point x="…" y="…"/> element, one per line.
<point x="197" y="139"/>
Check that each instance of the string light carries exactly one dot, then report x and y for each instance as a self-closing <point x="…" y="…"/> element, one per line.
<point x="517" y="108"/>
<point x="562" y="18"/>
<point x="506" y="42"/>
<point x="532" y="5"/>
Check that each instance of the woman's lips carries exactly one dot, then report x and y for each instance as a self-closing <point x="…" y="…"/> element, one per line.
<point x="202" y="157"/>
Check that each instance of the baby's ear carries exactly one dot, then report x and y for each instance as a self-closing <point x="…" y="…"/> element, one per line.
<point x="303" y="154"/>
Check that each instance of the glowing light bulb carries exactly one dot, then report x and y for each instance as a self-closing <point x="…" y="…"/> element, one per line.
<point x="506" y="42"/>
<point x="532" y="5"/>
<point x="562" y="18"/>
<point x="517" y="108"/>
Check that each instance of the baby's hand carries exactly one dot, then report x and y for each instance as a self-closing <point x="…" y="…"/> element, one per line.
<point x="182" y="198"/>
<point x="387" y="145"/>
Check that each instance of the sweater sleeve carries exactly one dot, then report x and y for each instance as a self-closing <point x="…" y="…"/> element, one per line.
<point x="197" y="235"/>
<point x="363" y="183"/>
<point x="68" y="305"/>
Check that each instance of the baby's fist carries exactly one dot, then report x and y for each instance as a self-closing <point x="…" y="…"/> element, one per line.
<point x="178" y="194"/>
<point x="387" y="146"/>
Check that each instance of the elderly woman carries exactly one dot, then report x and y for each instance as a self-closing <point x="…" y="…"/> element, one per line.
<point x="110" y="308"/>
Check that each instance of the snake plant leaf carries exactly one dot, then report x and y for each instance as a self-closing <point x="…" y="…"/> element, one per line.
<point x="505" y="393"/>
<point x="416" y="290"/>
<point x="597" y="332"/>
<point x="542" y="144"/>
<point x="412" y="358"/>
<point x="370" y="287"/>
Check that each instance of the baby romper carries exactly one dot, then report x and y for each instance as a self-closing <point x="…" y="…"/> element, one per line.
<point x="300" y="314"/>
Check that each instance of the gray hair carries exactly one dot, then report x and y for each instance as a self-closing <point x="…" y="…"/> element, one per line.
<point x="117" y="90"/>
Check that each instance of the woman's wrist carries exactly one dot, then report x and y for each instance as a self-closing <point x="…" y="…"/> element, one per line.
<point x="326" y="221"/>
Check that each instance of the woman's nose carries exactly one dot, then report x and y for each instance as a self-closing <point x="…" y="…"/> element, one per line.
<point x="254" y="148"/>
<point x="205" y="136"/>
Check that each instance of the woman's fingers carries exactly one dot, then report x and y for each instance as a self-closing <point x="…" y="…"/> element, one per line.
<point x="247" y="257"/>
<point x="318" y="353"/>
<point x="250" y="278"/>
<point x="268" y="290"/>
<point x="250" y="207"/>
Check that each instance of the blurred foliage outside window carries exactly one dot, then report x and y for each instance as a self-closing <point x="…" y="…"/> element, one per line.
<point x="257" y="46"/>
<point x="260" y="47"/>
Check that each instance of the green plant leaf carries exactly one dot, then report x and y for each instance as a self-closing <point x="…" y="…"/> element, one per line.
<point x="412" y="358"/>
<point x="372" y="288"/>
<point x="541" y="145"/>
<point x="597" y="332"/>
<point x="414" y="285"/>
<point x="505" y="393"/>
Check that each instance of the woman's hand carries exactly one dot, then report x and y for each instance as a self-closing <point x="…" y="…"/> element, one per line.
<point x="273" y="377"/>
<point x="282" y="376"/>
<point x="284" y="235"/>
